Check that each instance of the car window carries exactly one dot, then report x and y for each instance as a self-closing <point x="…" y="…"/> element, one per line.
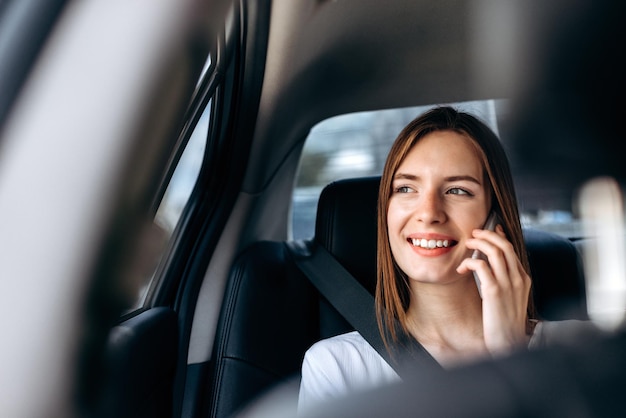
<point x="184" y="177"/>
<point x="176" y="195"/>
<point x="356" y="145"/>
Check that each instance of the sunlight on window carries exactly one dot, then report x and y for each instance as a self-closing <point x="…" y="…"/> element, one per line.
<point x="184" y="177"/>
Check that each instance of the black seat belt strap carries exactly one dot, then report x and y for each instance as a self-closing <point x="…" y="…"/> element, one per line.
<point x="350" y="299"/>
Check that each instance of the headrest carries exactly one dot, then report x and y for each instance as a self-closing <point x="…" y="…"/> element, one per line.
<point x="346" y="226"/>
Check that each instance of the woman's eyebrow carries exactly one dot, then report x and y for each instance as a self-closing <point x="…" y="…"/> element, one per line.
<point x="464" y="178"/>
<point x="407" y="176"/>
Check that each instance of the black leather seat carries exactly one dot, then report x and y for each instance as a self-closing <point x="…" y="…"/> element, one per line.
<point x="272" y="314"/>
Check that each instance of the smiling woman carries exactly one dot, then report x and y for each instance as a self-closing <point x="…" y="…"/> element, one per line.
<point x="437" y="182"/>
<point x="444" y="173"/>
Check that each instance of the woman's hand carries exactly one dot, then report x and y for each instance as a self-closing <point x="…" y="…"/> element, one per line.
<point x="505" y="290"/>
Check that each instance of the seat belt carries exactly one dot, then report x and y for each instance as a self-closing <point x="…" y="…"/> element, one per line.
<point x="357" y="306"/>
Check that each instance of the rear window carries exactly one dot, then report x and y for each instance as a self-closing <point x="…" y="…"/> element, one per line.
<point x="356" y="145"/>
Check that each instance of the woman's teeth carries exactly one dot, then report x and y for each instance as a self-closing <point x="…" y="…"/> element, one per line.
<point x="430" y="243"/>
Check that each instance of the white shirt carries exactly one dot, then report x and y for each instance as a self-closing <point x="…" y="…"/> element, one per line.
<point x="340" y="365"/>
<point x="346" y="363"/>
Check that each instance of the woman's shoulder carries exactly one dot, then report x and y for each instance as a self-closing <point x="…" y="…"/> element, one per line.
<point x="341" y="345"/>
<point x="353" y="338"/>
<point x="348" y="353"/>
<point x="342" y="364"/>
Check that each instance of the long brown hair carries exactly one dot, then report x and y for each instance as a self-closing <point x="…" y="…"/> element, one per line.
<point x="392" y="288"/>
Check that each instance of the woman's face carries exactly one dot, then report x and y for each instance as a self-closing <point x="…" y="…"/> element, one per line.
<point x="438" y="197"/>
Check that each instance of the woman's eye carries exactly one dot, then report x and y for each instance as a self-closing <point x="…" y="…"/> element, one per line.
<point x="459" y="191"/>
<point x="403" y="189"/>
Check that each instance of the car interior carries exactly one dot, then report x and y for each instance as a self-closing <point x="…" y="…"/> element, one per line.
<point x="245" y="313"/>
<point x="228" y="141"/>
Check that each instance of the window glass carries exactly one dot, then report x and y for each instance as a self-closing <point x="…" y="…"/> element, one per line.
<point x="184" y="178"/>
<point x="176" y="196"/>
<point x="356" y="145"/>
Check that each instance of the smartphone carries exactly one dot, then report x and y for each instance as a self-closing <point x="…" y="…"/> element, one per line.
<point x="492" y="220"/>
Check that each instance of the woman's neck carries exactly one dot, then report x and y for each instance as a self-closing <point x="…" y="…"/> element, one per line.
<point x="447" y="321"/>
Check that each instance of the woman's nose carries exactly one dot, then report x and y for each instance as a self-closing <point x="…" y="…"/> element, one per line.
<point x="430" y="209"/>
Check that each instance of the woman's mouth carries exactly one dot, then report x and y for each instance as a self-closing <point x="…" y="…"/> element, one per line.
<point x="431" y="244"/>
